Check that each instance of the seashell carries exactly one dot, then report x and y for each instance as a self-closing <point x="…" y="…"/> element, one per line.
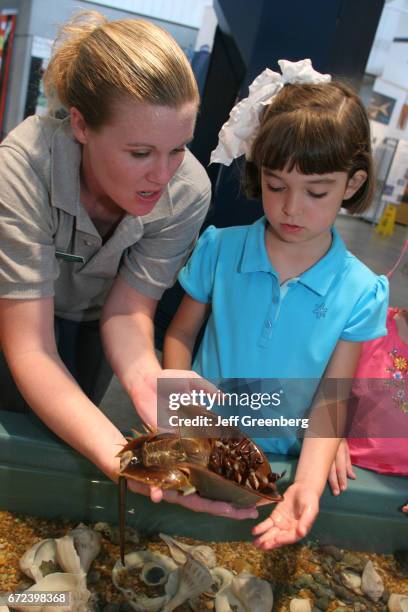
<point x="187" y="582"/>
<point x="57" y="582"/>
<point x="201" y="552"/>
<point x="222" y="578"/>
<point x="196" y="605"/>
<point x="142" y="603"/>
<point x="67" y="555"/>
<point x="154" y="574"/>
<point x="142" y="559"/>
<point x="222" y="581"/>
<point x="396" y="603"/>
<point x="131" y="535"/>
<point x="351" y="580"/>
<point x="104" y="528"/>
<point x="371" y="582"/>
<point x="139" y="602"/>
<point x="300" y="605"/>
<point x="117" y="570"/>
<point x="139" y="559"/>
<point x="30" y="562"/>
<point x="112" y="533"/>
<point x="255" y="594"/>
<point x="245" y="593"/>
<point x="87" y="543"/>
<point x="132" y="560"/>
<point x="225" y="601"/>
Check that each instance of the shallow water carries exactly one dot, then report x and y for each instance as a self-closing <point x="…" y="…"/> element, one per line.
<point x="298" y="571"/>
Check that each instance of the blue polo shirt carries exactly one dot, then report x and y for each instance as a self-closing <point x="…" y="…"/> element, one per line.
<point x="259" y="328"/>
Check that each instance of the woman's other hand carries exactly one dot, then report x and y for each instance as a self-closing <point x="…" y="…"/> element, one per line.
<point x="194" y="502"/>
<point x="154" y="390"/>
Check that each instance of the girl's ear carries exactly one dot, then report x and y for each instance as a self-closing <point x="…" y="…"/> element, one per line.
<point x="78" y="125"/>
<point x="354" y="183"/>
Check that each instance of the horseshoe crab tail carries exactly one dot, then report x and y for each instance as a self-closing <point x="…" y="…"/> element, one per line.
<point x="122" y="516"/>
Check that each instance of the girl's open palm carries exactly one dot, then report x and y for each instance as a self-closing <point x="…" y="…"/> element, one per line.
<point x="290" y="521"/>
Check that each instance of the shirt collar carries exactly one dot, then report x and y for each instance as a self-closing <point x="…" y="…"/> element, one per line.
<point x="318" y="278"/>
<point x="254" y="256"/>
<point x="65" y="178"/>
<point x="65" y="169"/>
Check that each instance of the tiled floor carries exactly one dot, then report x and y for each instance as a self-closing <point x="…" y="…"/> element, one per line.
<point x="378" y="252"/>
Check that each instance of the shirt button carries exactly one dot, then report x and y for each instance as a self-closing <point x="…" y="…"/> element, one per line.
<point x="88" y="242"/>
<point x="268" y="323"/>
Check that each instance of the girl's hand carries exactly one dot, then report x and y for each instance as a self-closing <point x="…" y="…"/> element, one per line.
<point x="194" y="502"/>
<point x="291" y="520"/>
<point x="341" y="469"/>
<point x="405" y="508"/>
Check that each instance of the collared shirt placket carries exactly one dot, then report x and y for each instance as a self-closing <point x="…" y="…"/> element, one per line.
<point x="279" y="292"/>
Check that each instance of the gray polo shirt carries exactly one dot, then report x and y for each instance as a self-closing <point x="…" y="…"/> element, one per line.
<point x="43" y="224"/>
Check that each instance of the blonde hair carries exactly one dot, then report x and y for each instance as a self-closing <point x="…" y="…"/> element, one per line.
<point x="315" y="128"/>
<point x="95" y="63"/>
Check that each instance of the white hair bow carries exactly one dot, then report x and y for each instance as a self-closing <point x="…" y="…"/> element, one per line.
<point x="239" y="132"/>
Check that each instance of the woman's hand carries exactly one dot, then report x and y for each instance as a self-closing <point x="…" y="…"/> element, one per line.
<point x="341" y="469"/>
<point x="194" y="502"/>
<point x="153" y="391"/>
<point x="290" y="521"/>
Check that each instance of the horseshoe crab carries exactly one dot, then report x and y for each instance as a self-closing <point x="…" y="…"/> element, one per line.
<point x="231" y="468"/>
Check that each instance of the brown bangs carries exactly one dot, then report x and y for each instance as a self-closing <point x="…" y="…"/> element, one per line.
<point x="306" y="141"/>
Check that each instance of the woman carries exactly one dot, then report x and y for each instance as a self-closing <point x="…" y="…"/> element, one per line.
<point x="98" y="212"/>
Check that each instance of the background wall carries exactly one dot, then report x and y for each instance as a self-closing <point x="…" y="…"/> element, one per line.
<point x="42" y="18"/>
<point x="394" y="18"/>
<point x="185" y="12"/>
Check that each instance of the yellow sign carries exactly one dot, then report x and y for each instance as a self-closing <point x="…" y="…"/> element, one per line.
<point x="386" y="224"/>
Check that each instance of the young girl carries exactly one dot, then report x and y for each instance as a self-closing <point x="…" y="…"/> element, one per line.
<point x="284" y="297"/>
